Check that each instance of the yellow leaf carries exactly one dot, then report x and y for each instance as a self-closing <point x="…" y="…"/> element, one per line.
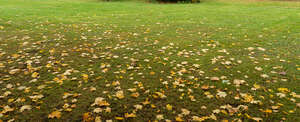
<point x="247" y="115"/>
<point x="159" y="117"/>
<point x="120" y="94"/>
<point x="135" y="94"/>
<point x="199" y="119"/>
<point x="103" y="103"/>
<point x="55" y="114"/>
<point x="178" y="119"/>
<point x="169" y="107"/>
<point x="153" y="106"/>
<point x="34" y="75"/>
<point x="15" y="55"/>
<point x="247" y="98"/>
<point x="87" y="117"/>
<point x="146" y="102"/>
<point x="14" y="71"/>
<point x="224" y="112"/>
<point x="98" y="119"/>
<point x="152" y="73"/>
<point x="161" y="95"/>
<point x="205" y="87"/>
<point x="52" y="51"/>
<point x="10" y="100"/>
<point x="119" y="118"/>
<point x="130" y="115"/>
<point x="85" y="77"/>
<point x="267" y="111"/>
<point x="256" y="86"/>
<point x="257" y="119"/>
<point x="7" y="109"/>
<point x="48" y="65"/>
<point x="283" y="90"/>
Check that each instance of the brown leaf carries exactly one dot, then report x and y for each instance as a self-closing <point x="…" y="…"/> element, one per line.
<point x="214" y="78"/>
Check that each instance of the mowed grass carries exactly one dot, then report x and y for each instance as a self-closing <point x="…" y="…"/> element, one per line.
<point x="71" y="60"/>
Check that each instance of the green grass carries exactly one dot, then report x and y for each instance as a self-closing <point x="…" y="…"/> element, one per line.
<point x="141" y="45"/>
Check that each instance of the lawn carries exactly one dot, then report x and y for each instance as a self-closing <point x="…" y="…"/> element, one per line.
<point x="85" y="60"/>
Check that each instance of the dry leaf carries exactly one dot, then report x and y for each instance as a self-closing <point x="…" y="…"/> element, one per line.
<point x="25" y="107"/>
<point x="55" y="114"/>
<point x="169" y="107"/>
<point x="34" y="75"/>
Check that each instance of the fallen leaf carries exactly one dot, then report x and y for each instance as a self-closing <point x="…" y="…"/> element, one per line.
<point x="120" y="94"/>
<point x="185" y="111"/>
<point x="131" y="115"/>
<point x="159" y="117"/>
<point x="98" y="119"/>
<point x="257" y="119"/>
<point x="14" y="71"/>
<point x="179" y="119"/>
<point x="55" y="114"/>
<point x="87" y="117"/>
<point x="215" y="78"/>
<point x="119" y="118"/>
<point x="34" y="75"/>
<point x="169" y="107"/>
<point x="25" y="107"/>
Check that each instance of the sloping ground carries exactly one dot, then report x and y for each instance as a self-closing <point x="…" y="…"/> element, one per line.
<point x="83" y="60"/>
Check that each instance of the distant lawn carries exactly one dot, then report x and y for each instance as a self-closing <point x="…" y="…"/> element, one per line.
<point x="71" y="60"/>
